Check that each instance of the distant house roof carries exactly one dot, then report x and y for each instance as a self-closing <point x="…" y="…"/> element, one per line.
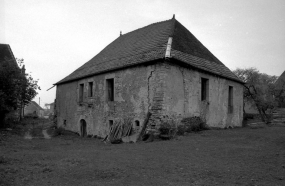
<point x="148" y="44"/>
<point x="36" y="105"/>
<point x="280" y="82"/>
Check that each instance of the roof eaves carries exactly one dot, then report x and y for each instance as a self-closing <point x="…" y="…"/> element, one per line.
<point x="211" y="72"/>
<point x="205" y="68"/>
<point x="107" y="70"/>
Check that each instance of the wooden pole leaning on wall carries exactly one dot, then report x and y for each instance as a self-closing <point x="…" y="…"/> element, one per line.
<point x="144" y="126"/>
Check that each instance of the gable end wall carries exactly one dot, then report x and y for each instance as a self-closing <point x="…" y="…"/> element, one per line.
<point x="183" y="97"/>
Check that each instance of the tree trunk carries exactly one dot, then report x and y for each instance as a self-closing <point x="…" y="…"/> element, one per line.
<point x="266" y="116"/>
<point x="261" y="115"/>
<point x="21" y="111"/>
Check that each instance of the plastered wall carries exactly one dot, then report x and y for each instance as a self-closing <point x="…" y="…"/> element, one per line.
<point x="134" y="90"/>
<point x="183" y="97"/>
<point x="164" y="89"/>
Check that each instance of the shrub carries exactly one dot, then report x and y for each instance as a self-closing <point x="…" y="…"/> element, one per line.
<point x="164" y="128"/>
<point x="194" y="124"/>
<point x="248" y="116"/>
<point x="59" y="131"/>
<point x="181" y="129"/>
<point x="167" y="129"/>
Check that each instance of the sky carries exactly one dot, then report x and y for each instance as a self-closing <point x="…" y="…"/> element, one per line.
<point x="55" y="37"/>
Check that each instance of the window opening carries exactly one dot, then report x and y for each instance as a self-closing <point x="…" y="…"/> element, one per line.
<point x="204" y="89"/>
<point x="110" y="89"/>
<point x="111" y="122"/>
<point x="81" y="90"/>
<point x="83" y="128"/>
<point x="137" y="123"/>
<point x="90" y="89"/>
<point x="230" y="101"/>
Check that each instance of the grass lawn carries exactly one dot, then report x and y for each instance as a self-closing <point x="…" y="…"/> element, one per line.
<point x="242" y="156"/>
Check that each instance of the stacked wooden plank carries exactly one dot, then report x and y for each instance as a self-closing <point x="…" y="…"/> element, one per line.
<point x="122" y="131"/>
<point x="119" y="130"/>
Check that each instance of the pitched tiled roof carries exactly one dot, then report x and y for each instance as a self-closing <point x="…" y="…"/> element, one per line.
<point x="148" y="44"/>
<point x="36" y="105"/>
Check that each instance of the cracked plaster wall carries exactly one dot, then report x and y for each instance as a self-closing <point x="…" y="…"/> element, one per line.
<point x="164" y="89"/>
<point x="134" y="89"/>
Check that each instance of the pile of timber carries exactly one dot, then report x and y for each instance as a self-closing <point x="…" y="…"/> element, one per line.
<point x="122" y="131"/>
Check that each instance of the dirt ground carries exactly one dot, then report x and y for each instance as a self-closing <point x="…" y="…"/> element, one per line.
<point x="240" y="156"/>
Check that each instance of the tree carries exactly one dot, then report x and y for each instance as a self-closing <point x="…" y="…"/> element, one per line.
<point x="16" y="87"/>
<point x="259" y="89"/>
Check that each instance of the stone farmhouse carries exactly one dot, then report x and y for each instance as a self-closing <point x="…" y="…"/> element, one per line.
<point x="162" y="69"/>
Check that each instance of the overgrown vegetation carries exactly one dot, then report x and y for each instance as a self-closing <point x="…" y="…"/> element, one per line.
<point x="261" y="91"/>
<point x="169" y="128"/>
<point x="194" y="124"/>
<point x="17" y="88"/>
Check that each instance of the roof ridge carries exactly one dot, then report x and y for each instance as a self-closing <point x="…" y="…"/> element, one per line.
<point x="186" y="41"/>
<point x="170" y="38"/>
<point x="173" y="26"/>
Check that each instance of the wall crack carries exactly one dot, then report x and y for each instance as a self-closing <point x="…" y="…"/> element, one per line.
<point x="148" y="87"/>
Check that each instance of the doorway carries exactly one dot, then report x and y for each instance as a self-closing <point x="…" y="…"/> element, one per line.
<point x="83" y="130"/>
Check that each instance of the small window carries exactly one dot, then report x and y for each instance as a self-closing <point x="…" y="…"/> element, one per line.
<point x="81" y="92"/>
<point x="90" y="89"/>
<point x="230" y="101"/>
<point x="110" y="89"/>
<point x="111" y="122"/>
<point x="204" y="89"/>
<point x="137" y="123"/>
<point x="64" y="123"/>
